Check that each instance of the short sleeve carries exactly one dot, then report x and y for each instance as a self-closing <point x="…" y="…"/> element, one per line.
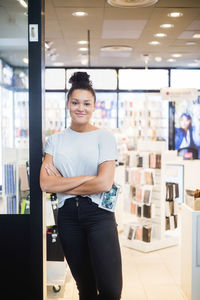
<point x="107" y="148"/>
<point x="49" y="147"/>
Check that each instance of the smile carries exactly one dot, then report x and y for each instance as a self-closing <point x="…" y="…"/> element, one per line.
<point x="80" y="115"/>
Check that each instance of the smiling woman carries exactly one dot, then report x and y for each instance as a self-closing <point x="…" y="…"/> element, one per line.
<point x="79" y="166"/>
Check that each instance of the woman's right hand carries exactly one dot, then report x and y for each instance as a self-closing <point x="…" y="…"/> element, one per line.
<point x="51" y="170"/>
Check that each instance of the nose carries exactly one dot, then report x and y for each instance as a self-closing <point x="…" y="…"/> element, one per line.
<point x="81" y="107"/>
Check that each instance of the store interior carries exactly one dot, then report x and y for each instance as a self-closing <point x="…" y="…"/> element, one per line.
<point x="143" y="59"/>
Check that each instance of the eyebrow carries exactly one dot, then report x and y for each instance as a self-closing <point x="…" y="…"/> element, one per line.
<point x="80" y="99"/>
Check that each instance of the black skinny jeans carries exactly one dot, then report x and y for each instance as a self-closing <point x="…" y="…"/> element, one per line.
<point x="90" y="242"/>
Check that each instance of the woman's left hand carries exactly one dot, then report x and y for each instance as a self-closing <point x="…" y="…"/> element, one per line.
<point x="51" y="170"/>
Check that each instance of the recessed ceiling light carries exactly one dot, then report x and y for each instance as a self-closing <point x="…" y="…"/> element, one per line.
<point x="171" y="60"/>
<point x="131" y="3"/>
<point x="25" y="60"/>
<point x="160" y="34"/>
<point x="79" y="14"/>
<point x="82" y="42"/>
<point x="175" y="14"/>
<point x="158" y="58"/>
<point x="196" y="36"/>
<point x="167" y="25"/>
<point x="190" y="43"/>
<point x="58" y="64"/>
<point x="116" y="48"/>
<point x="154" y="43"/>
<point x="23" y="3"/>
<point x="176" y="55"/>
<point x="83" y="49"/>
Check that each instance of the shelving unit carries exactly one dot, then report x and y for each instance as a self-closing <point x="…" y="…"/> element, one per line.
<point x="159" y="237"/>
<point x="146" y="115"/>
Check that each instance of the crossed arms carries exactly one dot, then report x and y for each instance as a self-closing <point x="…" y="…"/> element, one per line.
<point x="53" y="182"/>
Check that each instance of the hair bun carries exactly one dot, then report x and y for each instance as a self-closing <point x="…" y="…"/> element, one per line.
<point x="80" y="79"/>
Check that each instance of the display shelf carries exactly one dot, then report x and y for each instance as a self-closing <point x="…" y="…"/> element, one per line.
<point x="146" y="114"/>
<point x="55" y="107"/>
<point x="148" y="223"/>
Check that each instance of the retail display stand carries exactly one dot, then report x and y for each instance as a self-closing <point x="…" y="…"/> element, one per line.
<point x="190" y="252"/>
<point x="57" y="268"/>
<point x="145" y="182"/>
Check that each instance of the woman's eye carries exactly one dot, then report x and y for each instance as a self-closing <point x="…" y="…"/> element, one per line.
<point x="74" y="102"/>
<point x="87" y="104"/>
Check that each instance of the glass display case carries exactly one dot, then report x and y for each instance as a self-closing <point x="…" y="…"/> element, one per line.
<point x="14" y="136"/>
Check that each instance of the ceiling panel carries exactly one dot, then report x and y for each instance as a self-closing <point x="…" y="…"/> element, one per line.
<point x="178" y="3"/>
<point x="79" y="3"/>
<point x="122" y="29"/>
<point x="116" y="26"/>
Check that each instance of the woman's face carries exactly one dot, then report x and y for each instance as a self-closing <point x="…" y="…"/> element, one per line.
<point x="81" y="106"/>
<point x="185" y="122"/>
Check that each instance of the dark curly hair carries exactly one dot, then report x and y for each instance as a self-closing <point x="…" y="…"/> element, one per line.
<point x="80" y="81"/>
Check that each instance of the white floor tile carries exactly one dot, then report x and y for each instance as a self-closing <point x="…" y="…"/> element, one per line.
<point x="146" y="276"/>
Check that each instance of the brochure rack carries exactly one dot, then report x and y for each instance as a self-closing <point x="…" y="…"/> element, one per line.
<point x="146" y="191"/>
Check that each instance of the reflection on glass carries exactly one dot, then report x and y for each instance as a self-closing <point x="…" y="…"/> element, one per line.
<point x="130" y="79"/>
<point x="14" y="114"/>
<point x="55" y="108"/>
<point x="102" y="79"/>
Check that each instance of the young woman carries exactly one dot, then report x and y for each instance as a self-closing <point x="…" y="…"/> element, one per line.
<point x="79" y="166"/>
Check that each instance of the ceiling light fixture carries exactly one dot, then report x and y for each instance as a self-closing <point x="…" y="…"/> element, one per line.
<point x="176" y="55"/>
<point x="79" y="14"/>
<point x="25" y="60"/>
<point x="116" y="48"/>
<point x="158" y="59"/>
<point x="154" y="43"/>
<point x="23" y="3"/>
<point x="175" y="14"/>
<point x="82" y="42"/>
<point x="190" y="43"/>
<point x="146" y="59"/>
<point x="131" y="3"/>
<point x="171" y="60"/>
<point x="160" y="35"/>
<point x="48" y="44"/>
<point x="167" y="25"/>
<point x="196" y="36"/>
<point x="83" y="49"/>
<point x="58" y="64"/>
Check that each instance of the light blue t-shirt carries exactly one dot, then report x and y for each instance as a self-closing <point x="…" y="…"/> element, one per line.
<point x="79" y="154"/>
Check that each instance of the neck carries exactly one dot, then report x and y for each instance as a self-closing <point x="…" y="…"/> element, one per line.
<point x="82" y="128"/>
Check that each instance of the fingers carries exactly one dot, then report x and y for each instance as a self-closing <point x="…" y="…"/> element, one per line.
<point x="51" y="170"/>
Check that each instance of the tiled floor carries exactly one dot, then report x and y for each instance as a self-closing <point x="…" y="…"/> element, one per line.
<point x="146" y="276"/>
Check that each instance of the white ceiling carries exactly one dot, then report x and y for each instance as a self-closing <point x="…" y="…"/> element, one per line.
<point x="108" y="26"/>
<point x="133" y="27"/>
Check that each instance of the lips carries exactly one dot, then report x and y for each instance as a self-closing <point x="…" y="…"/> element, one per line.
<point x="80" y="115"/>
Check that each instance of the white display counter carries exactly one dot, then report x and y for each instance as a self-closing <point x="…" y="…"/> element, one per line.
<point x="190" y="253"/>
